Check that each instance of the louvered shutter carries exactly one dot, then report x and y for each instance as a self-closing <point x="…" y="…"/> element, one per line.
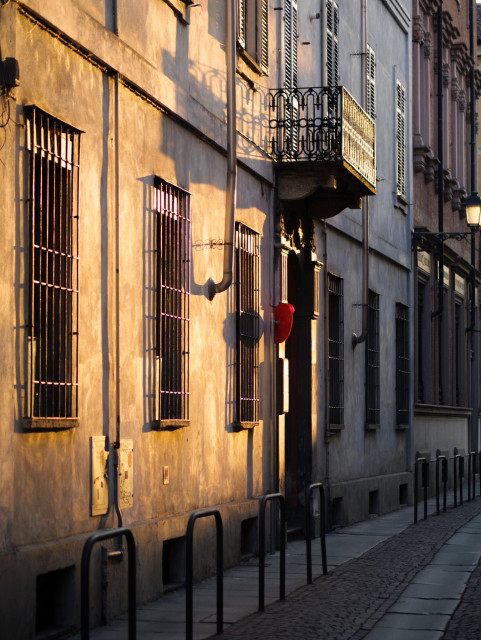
<point x="332" y="43"/>
<point x="290" y="76"/>
<point x="241" y="23"/>
<point x="400" y="140"/>
<point x="263" y="47"/>
<point x="370" y="82"/>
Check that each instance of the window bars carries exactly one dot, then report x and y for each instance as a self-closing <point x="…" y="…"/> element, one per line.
<point x="372" y="362"/>
<point x="336" y="350"/>
<point x="54" y="151"/>
<point x="402" y="364"/>
<point x="247" y="326"/>
<point x="172" y="233"/>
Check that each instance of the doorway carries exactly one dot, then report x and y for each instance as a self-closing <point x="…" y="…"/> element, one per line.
<point x="298" y="436"/>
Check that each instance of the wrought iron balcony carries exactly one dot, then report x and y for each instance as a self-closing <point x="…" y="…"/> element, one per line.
<point x="324" y="142"/>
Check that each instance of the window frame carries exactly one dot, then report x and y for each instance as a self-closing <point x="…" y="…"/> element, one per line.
<point x="172" y="305"/>
<point x="403" y="365"/>
<point x="53" y="148"/>
<point x="373" y="409"/>
<point x="247" y="305"/>
<point x="253" y="40"/>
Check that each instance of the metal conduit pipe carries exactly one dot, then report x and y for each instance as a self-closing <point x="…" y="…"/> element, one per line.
<point x="231" y="180"/>
<point x="356" y="339"/>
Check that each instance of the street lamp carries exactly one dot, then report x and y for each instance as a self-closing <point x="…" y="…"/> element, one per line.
<point x="472" y="206"/>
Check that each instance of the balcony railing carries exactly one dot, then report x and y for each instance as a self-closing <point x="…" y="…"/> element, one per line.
<point x="322" y="125"/>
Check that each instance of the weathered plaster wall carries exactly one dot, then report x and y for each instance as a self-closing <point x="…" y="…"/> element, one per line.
<point x="45" y="477"/>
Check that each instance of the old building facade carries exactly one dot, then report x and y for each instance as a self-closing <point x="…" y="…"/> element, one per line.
<point x="171" y="173"/>
<point x="446" y="375"/>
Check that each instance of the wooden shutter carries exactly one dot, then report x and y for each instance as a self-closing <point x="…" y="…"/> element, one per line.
<point x="332" y="43"/>
<point x="370" y="82"/>
<point x="291" y="130"/>
<point x="263" y="31"/>
<point x="290" y="43"/>
<point x="400" y="140"/>
<point x="241" y="23"/>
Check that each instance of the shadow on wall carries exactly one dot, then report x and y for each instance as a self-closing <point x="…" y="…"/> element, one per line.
<point x="21" y="272"/>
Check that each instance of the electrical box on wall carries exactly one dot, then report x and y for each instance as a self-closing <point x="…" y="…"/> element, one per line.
<point x="99" y="476"/>
<point x="126" y="475"/>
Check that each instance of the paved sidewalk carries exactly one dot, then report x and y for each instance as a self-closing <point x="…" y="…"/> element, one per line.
<point x="388" y="579"/>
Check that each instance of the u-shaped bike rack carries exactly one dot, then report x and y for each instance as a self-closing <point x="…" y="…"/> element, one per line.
<point x="85" y="574"/>
<point x="425" y="477"/>
<point x="262" y="546"/>
<point x="189" y="571"/>
<point x="309" y="514"/>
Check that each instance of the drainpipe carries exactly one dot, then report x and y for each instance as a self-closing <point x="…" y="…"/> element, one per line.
<point x="356" y="339"/>
<point x="472" y="441"/>
<point x="214" y="288"/>
<point x="116" y="444"/>
<point x="440" y="310"/>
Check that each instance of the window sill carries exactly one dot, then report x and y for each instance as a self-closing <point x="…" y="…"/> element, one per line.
<point x="50" y="424"/>
<point x="441" y="410"/>
<point x="169" y="425"/>
<point x="402" y="427"/>
<point x="401" y="204"/>
<point x="336" y="428"/>
<point x="244" y="426"/>
<point x="372" y="427"/>
<point x="246" y="65"/>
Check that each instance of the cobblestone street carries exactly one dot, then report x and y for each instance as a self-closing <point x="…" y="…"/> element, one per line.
<point x="388" y="579"/>
<point x="349" y="602"/>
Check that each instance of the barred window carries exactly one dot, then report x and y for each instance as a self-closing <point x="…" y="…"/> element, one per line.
<point x="54" y="149"/>
<point x="372" y="362"/>
<point x="253" y="30"/>
<point x="172" y="233"/>
<point x="400" y="140"/>
<point x="247" y="269"/>
<point x="459" y="354"/>
<point x="336" y="350"/>
<point x="402" y="364"/>
<point x="420" y="342"/>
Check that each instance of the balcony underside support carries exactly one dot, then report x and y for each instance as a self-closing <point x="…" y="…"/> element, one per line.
<point x="327" y="188"/>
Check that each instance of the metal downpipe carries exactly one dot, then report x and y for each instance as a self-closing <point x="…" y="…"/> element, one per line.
<point x="231" y="180"/>
<point x="356" y="339"/>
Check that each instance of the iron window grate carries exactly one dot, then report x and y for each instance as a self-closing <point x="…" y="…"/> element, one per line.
<point x="54" y="154"/>
<point x="336" y="350"/>
<point x="372" y="362"/>
<point x="172" y="233"/>
<point x="247" y="325"/>
<point x="402" y="364"/>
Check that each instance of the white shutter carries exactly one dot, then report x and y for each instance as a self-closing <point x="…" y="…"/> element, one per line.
<point x="400" y="140"/>
<point x="332" y="43"/>
<point x="290" y="75"/>
<point x="370" y="82"/>
<point x="241" y="23"/>
<point x="263" y="47"/>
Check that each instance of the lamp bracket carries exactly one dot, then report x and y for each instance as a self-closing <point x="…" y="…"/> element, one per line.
<point x="420" y="238"/>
